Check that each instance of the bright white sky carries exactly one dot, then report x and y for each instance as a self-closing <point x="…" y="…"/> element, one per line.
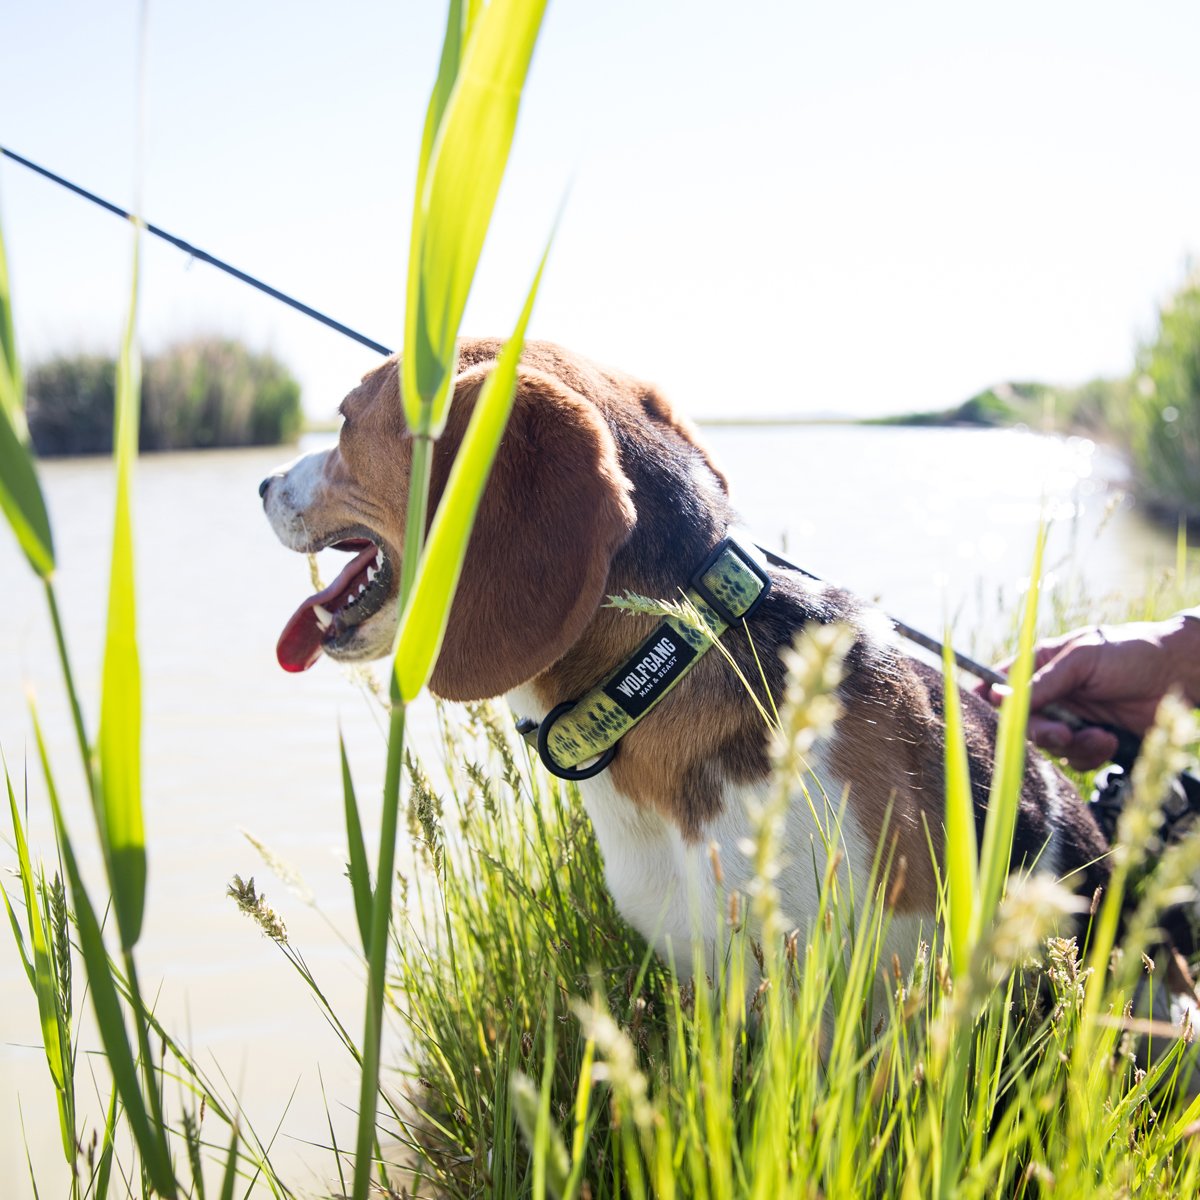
<point x="773" y="208"/>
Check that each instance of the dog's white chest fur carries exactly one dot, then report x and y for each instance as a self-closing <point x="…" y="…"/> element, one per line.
<point x="666" y="885"/>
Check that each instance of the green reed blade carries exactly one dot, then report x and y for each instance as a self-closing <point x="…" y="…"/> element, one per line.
<point x="11" y="384"/>
<point x="1005" y="795"/>
<point x="458" y="185"/>
<point x="423" y="623"/>
<point x="104" y="982"/>
<point x="111" y="1021"/>
<point x="120" y="814"/>
<point x="43" y="979"/>
<point x="20" y="493"/>
<point x="359" y="872"/>
<point x="531" y="1105"/>
<point x="465" y="168"/>
<point x="45" y="985"/>
<point x="452" y="47"/>
<point x="104" y="1167"/>
<point x="961" y="856"/>
<point x="19" y="938"/>
<point x="229" y="1178"/>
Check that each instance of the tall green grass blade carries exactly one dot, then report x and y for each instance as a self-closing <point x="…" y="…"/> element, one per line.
<point x="12" y="387"/>
<point x="45" y="985"/>
<point x="359" y="872"/>
<point x="531" y="1105"/>
<point x="86" y="756"/>
<point x="381" y="918"/>
<point x="192" y="1144"/>
<point x="463" y="177"/>
<point x="20" y="493"/>
<point x="105" y="987"/>
<point x="961" y="845"/>
<point x="54" y="1022"/>
<point x="583" y="1096"/>
<point x="104" y="1167"/>
<point x="120" y="737"/>
<point x="1004" y="797"/>
<point x="53" y="1009"/>
<point x="37" y="1195"/>
<point x="459" y="175"/>
<point x="229" y="1178"/>
<point x="110" y="1020"/>
<point x="19" y="939"/>
<point x="423" y="624"/>
<point x="452" y="48"/>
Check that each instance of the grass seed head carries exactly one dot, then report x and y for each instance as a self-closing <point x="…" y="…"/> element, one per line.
<point x="254" y="905"/>
<point x="815" y="666"/>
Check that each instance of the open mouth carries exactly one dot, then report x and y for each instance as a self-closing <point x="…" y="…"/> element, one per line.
<point x="329" y="618"/>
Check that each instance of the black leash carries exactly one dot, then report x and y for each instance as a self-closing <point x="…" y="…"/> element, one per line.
<point x="1128" y="744"/>
<point x="202" y="255"/>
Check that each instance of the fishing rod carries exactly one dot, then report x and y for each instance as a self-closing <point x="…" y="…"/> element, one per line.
<point x="1129" y="743"/>
<point x="196" y="252"/>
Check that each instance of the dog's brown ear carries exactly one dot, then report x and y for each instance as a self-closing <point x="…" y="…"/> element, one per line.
<point x="554" y="512"/>
<point x="660" y="410"/>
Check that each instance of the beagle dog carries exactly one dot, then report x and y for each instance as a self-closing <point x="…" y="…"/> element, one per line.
<point x="600" y="488"/>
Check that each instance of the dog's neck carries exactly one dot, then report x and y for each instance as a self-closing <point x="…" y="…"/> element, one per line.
<point x="578" y="738"/>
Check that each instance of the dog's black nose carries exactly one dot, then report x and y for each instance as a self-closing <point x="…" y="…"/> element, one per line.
<point x="266" y="483"/>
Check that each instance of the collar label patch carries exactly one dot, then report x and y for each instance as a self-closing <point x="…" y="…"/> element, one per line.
<point x="652" y="667"/>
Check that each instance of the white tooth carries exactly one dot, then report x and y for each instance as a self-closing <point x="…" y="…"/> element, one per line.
<point x="379" y="559"/>
<point x="324" y="616"/>
<point x="362" y="587"/>
<point x="371" y="573"/>
<point x="351" y="601"/>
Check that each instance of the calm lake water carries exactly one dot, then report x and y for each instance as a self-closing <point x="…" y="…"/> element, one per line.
<point x="929" y="522"/>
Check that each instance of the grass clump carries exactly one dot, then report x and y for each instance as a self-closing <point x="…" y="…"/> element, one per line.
<point x="550" y="1053"/>
<point x="197" y="394"/>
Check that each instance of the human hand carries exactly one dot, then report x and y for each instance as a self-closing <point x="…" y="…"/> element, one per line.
<point x="1112" y="674"/>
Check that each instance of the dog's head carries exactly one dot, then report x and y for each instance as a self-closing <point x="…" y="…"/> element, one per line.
<point x="558" y="508"/>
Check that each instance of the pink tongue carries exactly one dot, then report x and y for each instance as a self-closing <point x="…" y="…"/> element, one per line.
<point x="299" y="644"/>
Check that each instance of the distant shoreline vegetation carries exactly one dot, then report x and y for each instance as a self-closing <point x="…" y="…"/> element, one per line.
<point x="200" y="394"/>
<point x="1152" y="415"/>
<point x="1090" y="408"/>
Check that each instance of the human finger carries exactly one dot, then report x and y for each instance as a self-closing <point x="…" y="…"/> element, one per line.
<point x="1090" y="748"/>
<point x="1050" y="735"/>
<point x="1045" y="651"/>
<point x="1062" y="676"/>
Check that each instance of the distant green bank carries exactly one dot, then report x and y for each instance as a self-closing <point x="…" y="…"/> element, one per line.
<point x="198" y="394"/>
<point x="1152" y="415"/>
<point x="1091" y="408"/>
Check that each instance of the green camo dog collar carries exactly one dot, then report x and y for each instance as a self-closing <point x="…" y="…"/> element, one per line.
<point x="728" y="586"/>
